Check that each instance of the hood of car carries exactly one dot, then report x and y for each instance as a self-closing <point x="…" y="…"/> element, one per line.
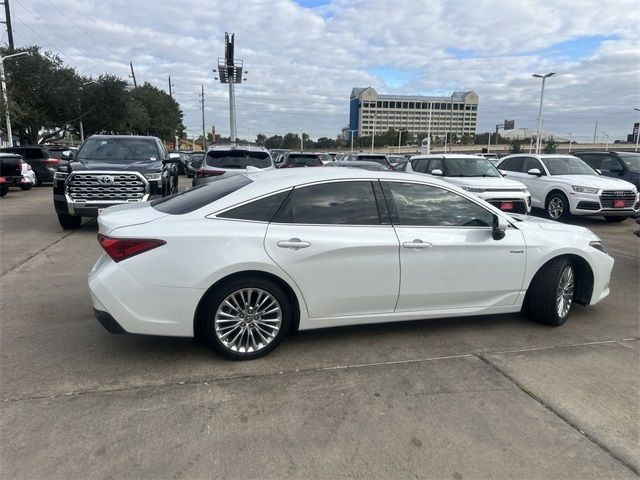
<point x="128" y="166"/>
<point x="530" y="221"/>
<point x="486" y="182"/>
<point x="594" y="181"/>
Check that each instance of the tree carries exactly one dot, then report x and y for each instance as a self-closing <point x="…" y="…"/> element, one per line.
<point x="274" y="142"/>
<point x="551" y="146"/>
<point x="104" y="107"/>
<point x="515" y="146"/>
<point x="291" y="141"/>
<point x="165" y="116"/>
<point x="261" y="139"/>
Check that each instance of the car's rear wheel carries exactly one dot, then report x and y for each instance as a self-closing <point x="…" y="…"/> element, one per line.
<point x="4" y="189"/>
<point x="615" y="219"/>
<point x="551" y="293"/>
<point x="246" y="318"/>
<point x="26" y="186"/>
<point x="557" y="206"/>
<point x="69" y="222"/>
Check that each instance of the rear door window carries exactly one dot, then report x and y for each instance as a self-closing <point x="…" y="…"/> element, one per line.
<point x="337" y="203"/>
<point x="197" y="197"/>
<point x="513" y="164"/>
<point x="237" y="159"/>
<point x="306" y="160"/>
<point x="261" y="210"/>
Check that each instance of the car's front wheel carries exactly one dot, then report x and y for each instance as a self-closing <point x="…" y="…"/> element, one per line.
<point x="551" y="293"/>
<point x="557" y="206"/>
<point x="246" y="318"/>
<point x="69" y="222"/>
<point x="615" y="219"/>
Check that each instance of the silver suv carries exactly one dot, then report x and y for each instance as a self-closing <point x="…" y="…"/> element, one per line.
<point x="225" y="160"/>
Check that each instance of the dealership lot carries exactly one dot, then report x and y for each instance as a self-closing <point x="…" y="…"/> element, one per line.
<point x="489" y="397"/>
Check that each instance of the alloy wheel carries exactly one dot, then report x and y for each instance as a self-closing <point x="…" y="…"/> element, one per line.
<point x="248" y="320"/>
<point x="555" y="209"/>
<point x="564" y="296"/>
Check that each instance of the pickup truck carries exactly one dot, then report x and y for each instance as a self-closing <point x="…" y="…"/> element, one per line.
<point x="112" y="170"/>
<point x="10" y="172"/>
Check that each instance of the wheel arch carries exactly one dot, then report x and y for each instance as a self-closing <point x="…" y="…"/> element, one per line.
<point x="551" y="192"/>
<point x="291" y="295"/>
<point x="584" y="277"/>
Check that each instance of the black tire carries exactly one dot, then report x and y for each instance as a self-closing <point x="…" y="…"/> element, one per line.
<point x="542" y="296"/>
<point x="616" y="219"/>
<point x="26" y="186"/>
<point x="4" y="189"/>
<point x="69" y="222"/>
<point x="38" y="182"/>
<point x="206" y="328"/>
<point x="555" y="200"/>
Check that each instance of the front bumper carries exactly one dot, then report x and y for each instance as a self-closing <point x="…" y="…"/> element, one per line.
<point x="591" y="204"/>
<point x="520" y="201"/>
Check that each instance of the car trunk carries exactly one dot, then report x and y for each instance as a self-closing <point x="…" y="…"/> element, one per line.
<point x="127" y="215"/>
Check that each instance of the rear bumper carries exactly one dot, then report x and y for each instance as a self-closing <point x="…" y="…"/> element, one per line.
<point x="108" y="322"/>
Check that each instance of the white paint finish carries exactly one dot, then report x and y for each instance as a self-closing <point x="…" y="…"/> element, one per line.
<point x="463" y="267"/>
<point x="345" y="270"/>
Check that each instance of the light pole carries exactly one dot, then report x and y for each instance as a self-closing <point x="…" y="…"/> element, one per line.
<point x="351" y="134"/>
<point x="5" y="97"/>
<point x="373" y="136"/>
<point x="429" y="131"/>
<point x="400" y="138"/>
<point x="543" y="77"/>
<point x="637" y="131"/>
<point x="570" y="141"/>
<point x="606" y="148"/>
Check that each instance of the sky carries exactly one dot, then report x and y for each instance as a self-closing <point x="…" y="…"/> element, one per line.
<point x="304" y="57"/>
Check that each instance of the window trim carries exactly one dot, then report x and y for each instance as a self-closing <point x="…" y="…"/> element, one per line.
<point x="347" y="225"/>
<point x="393" y="212"/>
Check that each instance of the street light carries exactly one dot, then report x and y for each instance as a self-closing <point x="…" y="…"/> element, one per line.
<point x="608" y="138"/>
<point x="543" y="77"/>
<point x="400" y="138"/>
<point x="570" y="140"/>
<point x="637" y="131"/>
<point x="351" y="134"/>
<point x="373" y="136"/>
<point x="5" y="97"/>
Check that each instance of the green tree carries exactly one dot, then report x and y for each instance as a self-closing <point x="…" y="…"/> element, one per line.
<point x="261" y="139"/>
<point x="165" y="115"/>
<point x="551" y="146"/>
<point x="104" y="107"/>
<point x="291" y="141"/>
<point x="515" y="146"/>
<point x="274" y="142"/>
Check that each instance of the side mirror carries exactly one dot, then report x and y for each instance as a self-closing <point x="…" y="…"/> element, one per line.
<point x="437" y="172"/>
<point x="535" y="171"/>
<point x="503" y="173"/>
<point x="66" y="155"/>
<point x="500" y="225"/>
<point x="172" y="158"/>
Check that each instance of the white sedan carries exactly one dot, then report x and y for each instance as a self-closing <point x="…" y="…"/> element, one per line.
<point x="565" y="185"/>
<point x="242" y="261"/>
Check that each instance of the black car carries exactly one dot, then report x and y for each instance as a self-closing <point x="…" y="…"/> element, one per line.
<point x="44" y="160"/>
<point x="623" y="165"/>
<point x="112" y="170"/>
<point x="10" y="172"/>
<point x="195" y="162"/>
<point x="300" y="159"/>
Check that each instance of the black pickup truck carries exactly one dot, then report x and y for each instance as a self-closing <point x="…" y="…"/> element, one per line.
<point x="10" y="172"/>
<point x="111" y="170"/>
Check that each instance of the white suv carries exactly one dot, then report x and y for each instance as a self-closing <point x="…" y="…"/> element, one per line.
<point x="564" y="185"/>
<point x="474" y="174"/>
<point x="231" y="160"/>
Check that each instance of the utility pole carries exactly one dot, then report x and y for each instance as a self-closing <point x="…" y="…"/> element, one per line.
<point x="5" y="98"/>
<point x="133" y="75"/>
<point x="301" y="141"/>
<point x="171" y="85"/>
<point x="7" y="15"/>
<point x="204" y="135"/>
<point x="595" y="132"/>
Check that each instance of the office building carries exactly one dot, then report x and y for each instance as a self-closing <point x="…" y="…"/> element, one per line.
<point x="457" y="113"/>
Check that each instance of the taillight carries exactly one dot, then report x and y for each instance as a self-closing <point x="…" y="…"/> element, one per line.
<point x="209" y="173"/>
<point x="122" y="248"/>
<point x="50" y="161"/>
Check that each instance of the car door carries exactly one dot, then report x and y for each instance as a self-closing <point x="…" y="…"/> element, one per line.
<point x="537" y="185"/>
<point x="448" y="257"/>
<point x="333" y="240"/>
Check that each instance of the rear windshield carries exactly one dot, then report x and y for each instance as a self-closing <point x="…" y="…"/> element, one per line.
<point x="372" y="158"/>
<point x="238" y="159"/>
<point x="197" y="197"/>
<point x="302" y="159"/>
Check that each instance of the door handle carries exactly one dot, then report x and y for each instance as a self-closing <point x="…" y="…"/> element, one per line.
<point x="416" y="244"/>
<point x="293" y="244"/>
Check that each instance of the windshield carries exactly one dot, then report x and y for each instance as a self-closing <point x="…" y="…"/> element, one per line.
<point x="119" y="149"/>
<point x="470" y="167"/>
<point x="238" y="159"/>
<point x="302" y="159"/>
<point x="567" y="166"/>
<point x="381" y="159"/>
<point x="632" y="160"/>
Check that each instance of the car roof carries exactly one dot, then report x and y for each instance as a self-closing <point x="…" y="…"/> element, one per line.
<point x="447" y="156"/>
<point x="133" y="137"/>
<point x="230" y="146"/>
<point x="356" y="163"/>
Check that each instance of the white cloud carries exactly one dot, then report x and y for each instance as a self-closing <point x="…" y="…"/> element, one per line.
<point x="303" y="62"/>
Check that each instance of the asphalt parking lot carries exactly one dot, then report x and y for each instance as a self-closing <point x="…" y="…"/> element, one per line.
<point x="485" y="397"/>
